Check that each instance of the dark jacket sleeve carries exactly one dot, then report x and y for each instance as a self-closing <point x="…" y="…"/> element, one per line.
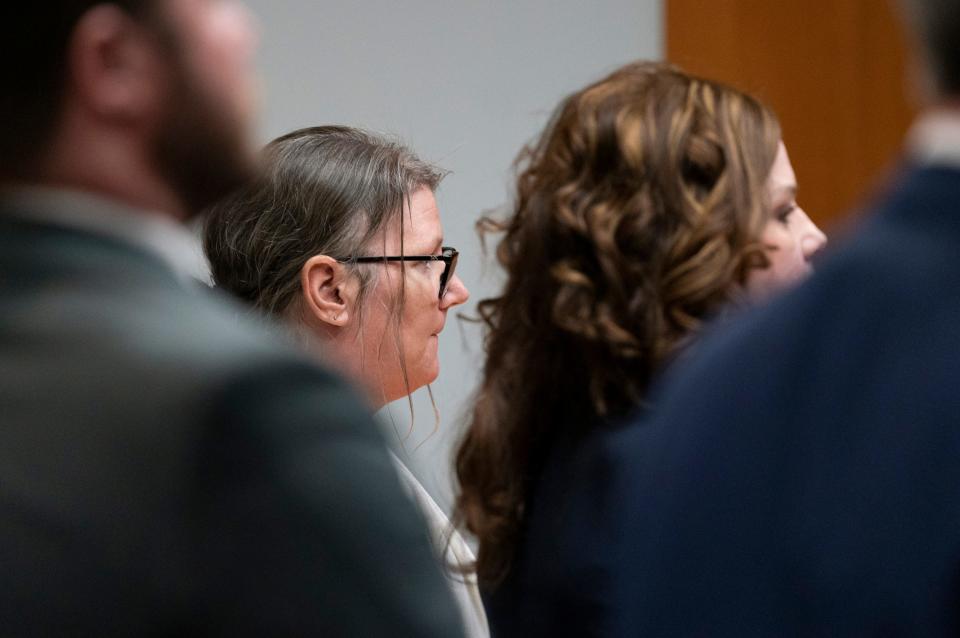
<point x="305" y="528"/>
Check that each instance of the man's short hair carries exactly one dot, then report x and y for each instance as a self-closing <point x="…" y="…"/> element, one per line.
<point x="937" y="23"/>
<point x="33" y="73"/>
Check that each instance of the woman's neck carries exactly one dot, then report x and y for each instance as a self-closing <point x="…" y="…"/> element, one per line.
<point x="343" y="360"/>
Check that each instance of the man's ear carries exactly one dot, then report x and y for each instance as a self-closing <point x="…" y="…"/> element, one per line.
<point x="116" y="65"/>
<point x="328" y="293"/>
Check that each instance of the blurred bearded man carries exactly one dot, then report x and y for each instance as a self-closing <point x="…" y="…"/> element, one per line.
<point x="164" y="467"/>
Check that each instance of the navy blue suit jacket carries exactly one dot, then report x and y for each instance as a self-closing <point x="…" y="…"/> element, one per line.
<point x="802" y="473"/>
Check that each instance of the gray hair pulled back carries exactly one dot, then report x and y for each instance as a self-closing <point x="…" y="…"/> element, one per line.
<point x="325" y="190"/>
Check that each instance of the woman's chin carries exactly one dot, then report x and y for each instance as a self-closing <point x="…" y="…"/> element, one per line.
<point x="431" y="372"/>
<point x="396" y="388"/>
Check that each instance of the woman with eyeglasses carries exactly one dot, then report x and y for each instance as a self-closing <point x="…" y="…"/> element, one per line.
<point x="652" y="201"/>
<point x="341" y="240"/>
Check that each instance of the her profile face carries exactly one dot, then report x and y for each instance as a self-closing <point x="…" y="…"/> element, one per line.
<point x="423" y="314"/>
<point x="790" y="237"/>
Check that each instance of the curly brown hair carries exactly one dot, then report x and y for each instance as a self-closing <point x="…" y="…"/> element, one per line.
<point x="637" y="216"/>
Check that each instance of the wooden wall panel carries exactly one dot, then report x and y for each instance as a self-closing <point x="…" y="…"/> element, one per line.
<point x="831" y="69"/>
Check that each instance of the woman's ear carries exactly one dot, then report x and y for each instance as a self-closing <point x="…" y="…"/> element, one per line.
<point x="328" y="294"/>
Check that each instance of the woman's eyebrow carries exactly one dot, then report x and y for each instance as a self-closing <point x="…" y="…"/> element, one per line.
<point x="788" y="190"/>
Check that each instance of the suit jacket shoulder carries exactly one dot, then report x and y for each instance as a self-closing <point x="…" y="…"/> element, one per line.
<point x="161" y="451"/>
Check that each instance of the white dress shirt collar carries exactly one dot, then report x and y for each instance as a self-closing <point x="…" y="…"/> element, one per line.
<point x="934" y="139"/>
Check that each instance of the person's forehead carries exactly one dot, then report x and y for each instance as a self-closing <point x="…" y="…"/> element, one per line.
<point x="422" y="230"/>
<point x="781" y="174"/>
<point x="422" y="219"/>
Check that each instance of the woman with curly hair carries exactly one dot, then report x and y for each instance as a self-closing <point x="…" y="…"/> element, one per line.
<point x="653" y="200"/>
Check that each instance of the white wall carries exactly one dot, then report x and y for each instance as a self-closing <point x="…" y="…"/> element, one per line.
<point x="465" y="83"/>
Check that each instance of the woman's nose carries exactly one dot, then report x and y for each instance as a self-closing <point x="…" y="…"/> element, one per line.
<point x="813" y="239"/>
<point x="455" y="294"/>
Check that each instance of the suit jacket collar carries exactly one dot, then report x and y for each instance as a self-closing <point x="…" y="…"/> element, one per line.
<point x="154" y="233"/>
<point x="924" y="198"/>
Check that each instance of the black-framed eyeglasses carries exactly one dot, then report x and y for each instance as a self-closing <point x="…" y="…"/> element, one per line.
<point x="447" y="255"/>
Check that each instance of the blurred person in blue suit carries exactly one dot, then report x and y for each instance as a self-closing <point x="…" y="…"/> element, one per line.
<point x="165" y="467"/>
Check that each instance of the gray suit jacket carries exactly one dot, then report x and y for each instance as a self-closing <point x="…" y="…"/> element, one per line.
<point x="166" y="468"/>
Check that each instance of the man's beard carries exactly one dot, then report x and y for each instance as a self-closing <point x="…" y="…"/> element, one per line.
<point x="202" y="149"/>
